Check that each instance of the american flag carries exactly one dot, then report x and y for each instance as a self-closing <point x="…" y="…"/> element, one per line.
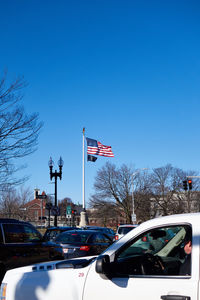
<point x="96" y="148"/>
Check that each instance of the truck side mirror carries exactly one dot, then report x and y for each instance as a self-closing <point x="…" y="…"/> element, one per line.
<point x="102" y="264"/>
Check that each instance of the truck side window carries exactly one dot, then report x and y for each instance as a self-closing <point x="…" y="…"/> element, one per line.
<point x="160" y="251"/>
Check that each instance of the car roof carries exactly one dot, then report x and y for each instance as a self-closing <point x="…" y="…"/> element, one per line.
<point x="83" y="231"/>
<point x="97" y="228"/>
<point x="86" y="231"/>
<point x="60" y="227"/>
<point x="128" y="225"/>
<point x="7" y="220"/>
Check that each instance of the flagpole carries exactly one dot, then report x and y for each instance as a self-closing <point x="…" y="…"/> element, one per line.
<point x="83" y="216"/>
<point x="83" y="196"/>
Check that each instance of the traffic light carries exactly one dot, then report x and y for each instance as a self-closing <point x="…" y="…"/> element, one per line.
<point x="190" y="184"/>
<point x="185" y="187"/>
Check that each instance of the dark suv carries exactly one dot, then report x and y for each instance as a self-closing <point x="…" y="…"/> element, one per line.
<point x="21" y="244"/>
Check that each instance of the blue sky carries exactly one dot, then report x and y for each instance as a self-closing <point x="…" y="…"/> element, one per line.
<point x="128" y="71"/>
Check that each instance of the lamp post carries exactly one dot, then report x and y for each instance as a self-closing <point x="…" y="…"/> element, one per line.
<point x="133" y="200"/>
<point x="55" y="175"/>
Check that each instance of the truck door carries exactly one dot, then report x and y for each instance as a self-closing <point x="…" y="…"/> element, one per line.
<point x="148" y="268"/>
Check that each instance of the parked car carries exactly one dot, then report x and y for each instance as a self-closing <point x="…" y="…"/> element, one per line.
<point x="129" y="269"/>
<point x="52" y="232"/>
<point x="123" y="229"/>
<point x="108" y="231"/>
<point x="21" y="244"/>
<point x="78" y="243"/>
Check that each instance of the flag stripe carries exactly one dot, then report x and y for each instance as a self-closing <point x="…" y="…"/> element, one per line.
<point x="92" y="150"/>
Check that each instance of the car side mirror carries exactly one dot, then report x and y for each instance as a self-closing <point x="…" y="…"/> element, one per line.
<point x="102" y="264"/>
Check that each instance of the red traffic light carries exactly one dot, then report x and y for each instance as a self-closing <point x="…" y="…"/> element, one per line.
<point x="190" y="184"/>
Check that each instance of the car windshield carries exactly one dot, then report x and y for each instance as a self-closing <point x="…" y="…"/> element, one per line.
<point x="50" y="235"/>
<point x="73" y="237"/>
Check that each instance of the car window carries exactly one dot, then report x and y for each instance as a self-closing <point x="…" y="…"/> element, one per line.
<point x="106" y="239"/>
<point x="160" y="251"/>
<point x="74" y="237"/>
<point x="99" y="238"/>
<point x="51" y="234"/>
<point x="13" y="233"/>
<point x="31" y="234"/>
<point x="124" y="230"/>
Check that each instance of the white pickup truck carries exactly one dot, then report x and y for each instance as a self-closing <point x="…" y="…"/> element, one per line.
<point x="146" y="264"/>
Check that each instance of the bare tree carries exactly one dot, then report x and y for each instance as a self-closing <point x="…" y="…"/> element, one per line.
<point x="104" y="211"/>
<point x="142" y="195"/>
<point x="24" y="194"/>
<point x="159" y="192"/>
<point x="9" y="204"/>
<point x="18" y="131"/>
<point x="12" y="202"/>
<point x="114" y="185"/>
<point x="167" y="193"/>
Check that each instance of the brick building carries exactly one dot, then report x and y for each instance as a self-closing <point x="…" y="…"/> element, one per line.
<point x="34" y="210"/>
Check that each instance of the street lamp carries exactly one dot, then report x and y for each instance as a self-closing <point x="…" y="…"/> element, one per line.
<point x="55" y="175"/>
<point x="133" y="200"/>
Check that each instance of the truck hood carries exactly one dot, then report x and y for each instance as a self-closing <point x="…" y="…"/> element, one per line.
<point x="43" y="281"/>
